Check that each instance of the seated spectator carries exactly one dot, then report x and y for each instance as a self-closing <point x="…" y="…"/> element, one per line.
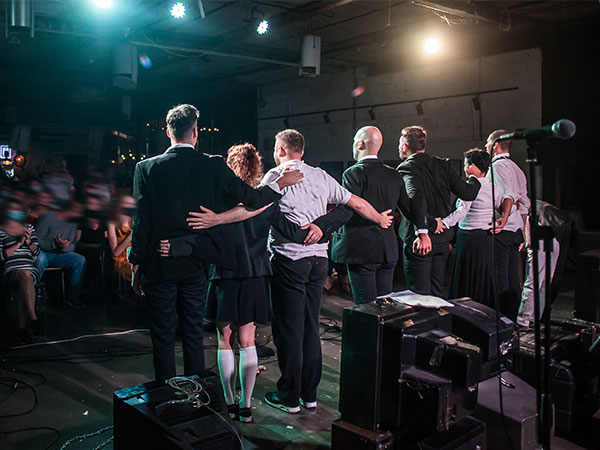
<point x="18" y="252"/>
<point x="58" y="234"/>
<point x="119" y="238"/>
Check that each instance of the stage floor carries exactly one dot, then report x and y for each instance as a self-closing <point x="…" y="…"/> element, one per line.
<point x="69" y="385"/>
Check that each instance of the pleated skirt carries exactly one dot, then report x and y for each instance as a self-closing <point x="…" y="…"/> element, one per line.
<point x="473" y="267"/>
<point x="239" y="300"/>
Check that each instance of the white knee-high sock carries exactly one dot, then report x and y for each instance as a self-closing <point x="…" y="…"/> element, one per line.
<point x="248" y="364"/>
<point x="226" y="362"/>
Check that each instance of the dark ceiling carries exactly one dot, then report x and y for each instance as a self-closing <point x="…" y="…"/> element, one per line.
<point x="73" y="43"/>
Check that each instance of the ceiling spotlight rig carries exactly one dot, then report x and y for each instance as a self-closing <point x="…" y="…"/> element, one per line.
<point x="178" y="10"/>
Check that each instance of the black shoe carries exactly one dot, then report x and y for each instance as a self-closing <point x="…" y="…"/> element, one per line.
<point x="262" y="351"/>
<point x="75" y="303"/>
<point x="24" y="337"/>
<point x="233" y="410"/>
<point x="245" y="415"/>
<point x="36" y="327"/>
<point x="272" y="399"/>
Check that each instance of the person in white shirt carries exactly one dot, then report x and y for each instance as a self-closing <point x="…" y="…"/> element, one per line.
<point x="509" y="240"/>
<point x="473" y="267"/>
<point x="299" y="273"/>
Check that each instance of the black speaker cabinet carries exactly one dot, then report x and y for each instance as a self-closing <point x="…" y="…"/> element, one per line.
<point x="372" y="358"/>
<point x="468" y="434"/>
<point x="346" y="436"/>
<point x="476" y="323"/>
<point x="142" y="421"/>
<point x="587" y="292"/>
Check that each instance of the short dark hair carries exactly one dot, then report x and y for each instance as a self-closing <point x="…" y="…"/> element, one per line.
<point x="480" y="158"/>
<point x="416" y="137"/>
<point x="292" y="139"/>
<point x="181" y="119"/>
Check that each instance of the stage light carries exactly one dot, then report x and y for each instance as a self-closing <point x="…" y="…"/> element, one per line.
<point x="145" y="61"/>
<point x="372" y="114"/>
<point x="20" y="161"/>
<point x="432" y="45"/>
<point x="178" y="10"/>
<point x="326" y="118"/>
<point x="263" y="27"/>
<point x="419" y="107"/>
<point x="286" y="122"/>
<point x="476" y="103"/>
<point x="103" y="4"/>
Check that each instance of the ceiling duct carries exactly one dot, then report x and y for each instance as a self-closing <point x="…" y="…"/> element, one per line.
<point x="19" y="17"/>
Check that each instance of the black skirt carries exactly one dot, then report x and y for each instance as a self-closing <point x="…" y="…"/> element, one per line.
<point x="473" y="276"/>
<point x="239" y="300"/>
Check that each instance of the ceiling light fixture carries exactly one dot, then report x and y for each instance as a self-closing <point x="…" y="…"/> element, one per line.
<point x="178" y="10"/>
<point x="263" y="27"/>
<point x="372" y="113"/>
<point x="103" y="4"/>
<point x="419" y="107"/>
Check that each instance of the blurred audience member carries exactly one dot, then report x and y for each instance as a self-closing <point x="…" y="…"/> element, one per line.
<point x="58" y="234"/>
<point x="18" y="252"/>
<point x="119" y="238"/>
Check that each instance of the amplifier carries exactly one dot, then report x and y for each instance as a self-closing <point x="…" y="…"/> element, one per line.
<point x="476" y="323"/>
<point x="144" y="418"/>
<point x="372" y="359"/>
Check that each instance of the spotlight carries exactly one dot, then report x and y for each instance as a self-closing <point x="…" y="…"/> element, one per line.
<point x="263" y="27"/>
<point x="419" y="107"/>
<point x="145" y="61"/>
<point x="372" y="114"/>
<point x="178" y="10"/>
<point x="103" y="4"/>
<point x="20" y="161"/>
<point x="432" y="45"/>
<point x="286" y="122"/>
<point x="326" y="118"/>
<point x="476" y="103"/>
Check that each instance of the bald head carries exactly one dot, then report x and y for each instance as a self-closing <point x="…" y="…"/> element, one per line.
<point x="367" y="141"/>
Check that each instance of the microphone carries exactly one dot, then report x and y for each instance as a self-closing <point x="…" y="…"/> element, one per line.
<point x="562" y="129"/>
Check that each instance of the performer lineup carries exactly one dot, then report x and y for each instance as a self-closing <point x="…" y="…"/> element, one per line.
<point x="219" y="239"/>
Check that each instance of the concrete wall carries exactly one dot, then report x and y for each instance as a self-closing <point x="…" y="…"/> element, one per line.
<point x="453" y="124"/>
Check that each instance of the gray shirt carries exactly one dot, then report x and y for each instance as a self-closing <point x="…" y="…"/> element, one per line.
<point x="48" y="226"/>
<point x="302" y="204"/>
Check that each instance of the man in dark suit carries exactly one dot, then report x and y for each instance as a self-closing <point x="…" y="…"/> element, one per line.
<point x="166" y="187"/>
<point x="429" y="181"/>
<point x="371" y="252"/>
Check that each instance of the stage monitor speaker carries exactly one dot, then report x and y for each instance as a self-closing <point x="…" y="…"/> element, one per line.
<point x="346" y="436"/>
<point x="468" y="434"/>
<point x="476" y="324"/>
<point x="587" y="292"/>
<point x="372" y="359"/>
<point x="143" y="420"/>
<point x="520" y="415"/>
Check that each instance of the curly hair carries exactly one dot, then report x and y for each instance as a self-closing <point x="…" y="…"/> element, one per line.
<point x="246" y="163"/>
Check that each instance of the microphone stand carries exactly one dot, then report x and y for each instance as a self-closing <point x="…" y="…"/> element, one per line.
<point x="542" y="366"/>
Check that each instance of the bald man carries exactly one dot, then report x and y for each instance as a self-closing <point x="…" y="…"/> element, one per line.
<point x="369" y="251"/>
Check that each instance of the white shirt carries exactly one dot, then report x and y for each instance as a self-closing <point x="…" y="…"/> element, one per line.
<point x="509" y="176"/>
<point x="477" y="215"/>
<point x="303" y="203"/>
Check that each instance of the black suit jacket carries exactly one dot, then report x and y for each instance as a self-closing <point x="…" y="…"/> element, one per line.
<point x="170" y="185"/>
<point x="429" y="181"/>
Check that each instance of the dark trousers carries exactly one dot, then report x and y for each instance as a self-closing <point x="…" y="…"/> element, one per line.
<point x="425" y="274"/>
<point x="508" y="283"/>
<point x="165" y="302"/>
<point x="369" y="281"/>
<point x="296" y="289"/>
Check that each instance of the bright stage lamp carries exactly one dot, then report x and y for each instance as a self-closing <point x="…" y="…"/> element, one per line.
<point x="178" y="10"/>
<point x="104" y="4"/>
<point x="432" y="45"/>
<point x="263" y="27"/>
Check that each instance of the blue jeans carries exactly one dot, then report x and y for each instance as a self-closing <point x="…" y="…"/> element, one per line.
<point x="166" y="302"/>
<point x="71" y="261"/>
